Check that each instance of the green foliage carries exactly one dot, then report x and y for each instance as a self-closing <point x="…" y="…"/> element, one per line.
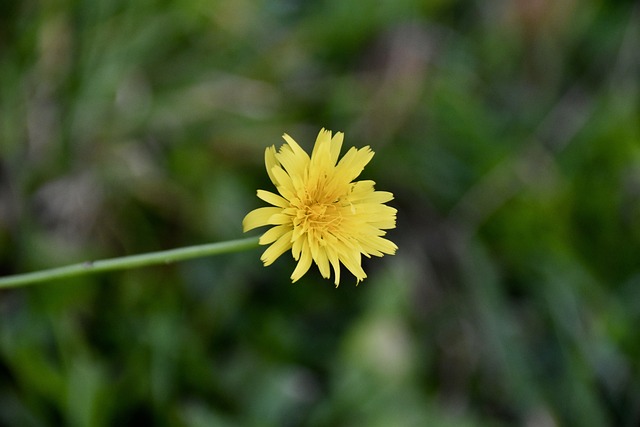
<point x="508" y="133"/>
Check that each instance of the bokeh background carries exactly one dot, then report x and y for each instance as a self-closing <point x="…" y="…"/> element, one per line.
<point x="509" y="131"/>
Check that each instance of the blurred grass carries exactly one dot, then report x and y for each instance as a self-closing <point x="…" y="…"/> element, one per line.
<point x="508" y="131"/>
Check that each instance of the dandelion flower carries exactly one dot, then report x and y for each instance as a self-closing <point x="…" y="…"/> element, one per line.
<point x="321" y="214"/>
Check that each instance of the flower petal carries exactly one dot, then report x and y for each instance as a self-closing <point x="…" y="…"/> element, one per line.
<point x="271" y="162"/>
<point x="258" y="218"/>
<point x="320" y="257"/>
<point x="298" y="152"/>
<point x="285" y="185"/>
<point x="323" y="138"/>
<point x="303" y="264"/>
<point x="279" y="247"/>
<point x="353" y="162"/>
<point x="274" y="199"/>
<point x="273" y="234"/>
<point x="279" y="219"/>
<point x="353" y="264"/>
<point x="335" y="263"/>
<point x="336" y="146"/>
<point x="297" y="245"/>
<point x="376" y="245"/>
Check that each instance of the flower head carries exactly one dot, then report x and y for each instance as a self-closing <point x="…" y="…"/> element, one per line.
<point x="321" y="214"/>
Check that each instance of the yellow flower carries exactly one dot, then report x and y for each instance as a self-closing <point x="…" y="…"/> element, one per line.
<point x="321" y="214"/>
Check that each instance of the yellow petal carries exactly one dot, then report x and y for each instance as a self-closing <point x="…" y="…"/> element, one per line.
<point x="292" y="162"/>
<point x="335" y="263"/>
<point x="274" y="199"/>
<point x="320" y="166"/>
<point x="352" y="164"/>
<point x="298" y="233"/>
<point x="353" y="263"/>
<point x="279" y="247"/>
<point x="336" y="146"/>
<point x="296" y="247"/>
<point x="271" y="162"/>
<point x="296" y="149"/>
<point x="375" y="245"/>
<point x="258" y="218"/>
<point x="320" y="257"/>
<point x="285" y="184"/>
<point x="279" y="218"/>
<point x="303" y="264"/>
<point x="273" y="234"/>
<point x="384" y="223"/>
<point x="323" y="138"/>
<point x="378" y="209"/>
<point x="361" y="189"/>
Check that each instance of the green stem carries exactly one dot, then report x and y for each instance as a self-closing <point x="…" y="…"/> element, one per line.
<point x="126" y="262"/>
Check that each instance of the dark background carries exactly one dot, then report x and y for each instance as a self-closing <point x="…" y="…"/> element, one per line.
<point x="509" y="132"/>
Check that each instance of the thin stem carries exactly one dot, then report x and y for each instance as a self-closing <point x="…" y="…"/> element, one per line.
<point x="126" y="262"/>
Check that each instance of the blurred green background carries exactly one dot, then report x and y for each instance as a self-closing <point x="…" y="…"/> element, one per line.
<point x="509" y="132"/>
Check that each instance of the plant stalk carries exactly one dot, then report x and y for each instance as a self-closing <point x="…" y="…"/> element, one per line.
<point x="128" y="262"/>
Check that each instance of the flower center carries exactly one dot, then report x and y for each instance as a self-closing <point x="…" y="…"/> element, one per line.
<point x="318" y="218"/>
